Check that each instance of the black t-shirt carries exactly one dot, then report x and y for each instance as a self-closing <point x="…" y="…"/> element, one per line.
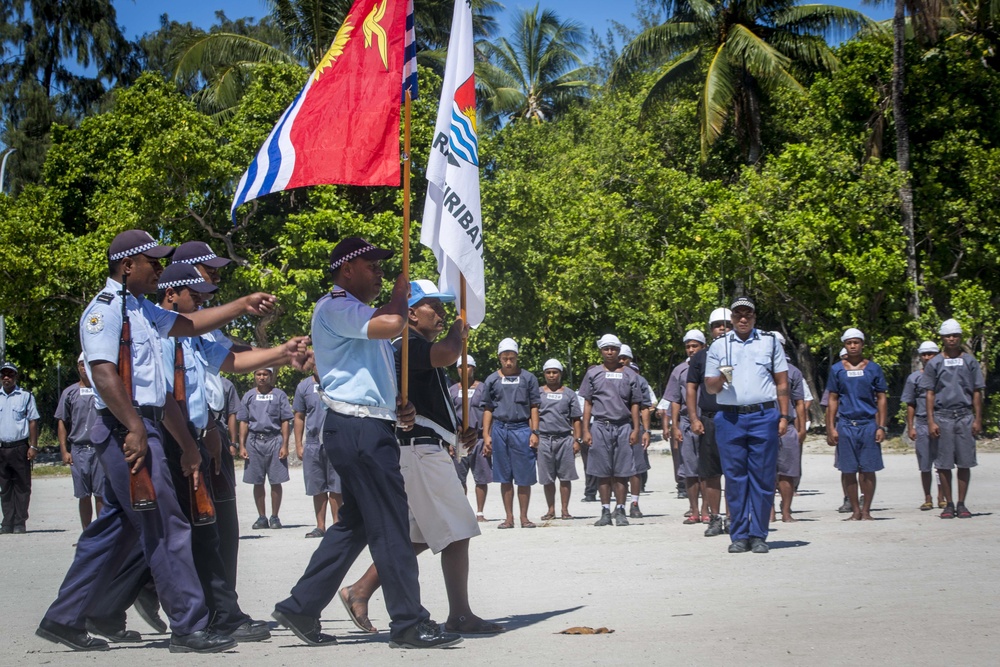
<point x="696" y="375"/>
<point x="428" y="387"/>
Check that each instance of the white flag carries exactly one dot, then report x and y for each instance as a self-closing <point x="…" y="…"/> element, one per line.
<point x="453" y="224"/>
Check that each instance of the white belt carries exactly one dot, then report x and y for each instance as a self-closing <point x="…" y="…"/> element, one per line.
<point x="352" y="410"/>
<point x="443" y="433"/>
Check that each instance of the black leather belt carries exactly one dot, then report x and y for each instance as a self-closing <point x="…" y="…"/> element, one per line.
<point x="16" y="443"/>
<point x="612" y="422"/>
<point x="153" y="412"/>
<point x="747" y="409"/>
<point x="81" y="445"/>
<point x="556" y="435"/>
<point x="424" y="440"/>
<point x="707" y="413"/>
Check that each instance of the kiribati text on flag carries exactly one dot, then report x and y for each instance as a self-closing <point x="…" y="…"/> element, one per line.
<point x="453" y="223"/>
<point x="343" y="127"/>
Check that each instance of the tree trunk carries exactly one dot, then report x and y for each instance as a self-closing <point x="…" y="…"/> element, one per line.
<point x="903" y="161"/>
<point x="807" y="364"/>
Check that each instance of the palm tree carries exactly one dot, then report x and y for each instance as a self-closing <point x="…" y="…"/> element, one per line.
<point x="537" y="74"/>
<point x="225" y="60"/>
<point x="745" y="47"/>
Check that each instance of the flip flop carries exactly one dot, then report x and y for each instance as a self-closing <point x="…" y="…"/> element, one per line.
<point x="926" y="506"/>
<point x="566" y="517"/>
<point x="481" y="628"/>
<point x="361" y="622"/>
<point x="548" y="516"/>
<point x="528" y="524"/>
<point x="315" y="532"/>
<point x="505" y="525"/>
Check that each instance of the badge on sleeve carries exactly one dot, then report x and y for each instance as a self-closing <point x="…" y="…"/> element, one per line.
<point x="94" y="323"/>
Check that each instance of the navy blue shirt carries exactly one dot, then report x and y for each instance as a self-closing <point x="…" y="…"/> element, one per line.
<point x="856" y="390"/>
<point x="510" y="399"/>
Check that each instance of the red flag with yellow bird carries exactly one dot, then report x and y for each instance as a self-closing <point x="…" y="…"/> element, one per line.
<point x="343" y="127"/>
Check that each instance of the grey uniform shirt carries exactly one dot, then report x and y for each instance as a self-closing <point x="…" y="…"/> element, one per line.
<point x="307" y="400"/>
<point x="953" y="381"/>
<point x="16" y="409"/>
<point x="913" y="395"/>
<point x="557" y="411"/>
<point x="231" y="404"/>
<point x="475" y="404"/>
<point x="796" y="389"/>
<point x="611" y="393"/>
<point x="76" y="409"/>
<point x="510" y="398"/>
<point x="644" y="391"/>
<point x="677" y="386"/>
<point x="264" y="413"/>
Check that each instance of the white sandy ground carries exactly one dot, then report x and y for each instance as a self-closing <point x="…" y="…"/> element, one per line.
<point x="907" y="589"/>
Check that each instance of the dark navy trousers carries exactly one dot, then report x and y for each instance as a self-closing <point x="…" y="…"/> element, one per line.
<point x="748" y="449"/>
<point x="164" y="535"/>
<point x="365" y="454"/>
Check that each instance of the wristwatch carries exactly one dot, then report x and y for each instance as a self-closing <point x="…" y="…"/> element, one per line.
<point x="579" y="441"/>
<point x="535" y="432"/>
<point x="880" y="428"/>
<point x="787" y="418"/>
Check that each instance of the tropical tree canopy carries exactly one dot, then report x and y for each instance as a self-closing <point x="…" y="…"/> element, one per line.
<point x="744" y="49"/>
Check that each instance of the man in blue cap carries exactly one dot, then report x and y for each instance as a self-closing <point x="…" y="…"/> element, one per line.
<point x="18" y="446"/>
<point x="441" y="518"/>
<point x="746" y="368"/>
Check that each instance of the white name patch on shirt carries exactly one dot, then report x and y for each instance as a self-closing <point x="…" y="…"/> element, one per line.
<point x="855" y="374"/>
<point x="86" y="391"/>
<point x="513" y="380"/>
<point x="959" y="361"/>
<point x="613" y="376"/>
<point x="265" y="397"/>
<point x="315" y="387"/>
<point x="471" y="393"/>
<point x="554" y="396"/>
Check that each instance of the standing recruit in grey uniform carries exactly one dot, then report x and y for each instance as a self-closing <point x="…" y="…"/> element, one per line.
<point x="676" y="394"/>
<point x="559" y="438"/>
<point x="18" y="447"/>
<point x="612" y="398"/>
<point x="915" y="400"/>
<point x="75" y="415"/>
<point x="954" y="383"/>
<point x="475" y="461"/>
<point x="790" y="444"/>
<point x="264" y="417"/>
<point x="640" y="455"/>
<point x="510" y="430"/>
<point x="322" y="481"/>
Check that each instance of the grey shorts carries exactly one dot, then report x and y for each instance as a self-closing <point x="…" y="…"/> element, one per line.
<point x="789" y="454"/>
<point x="263" y="462"/>
<point x="87" y="471"/>
<point x="317" y="471"/>
<point x="610" y="455"/>
<point x="926" y="446"/>
<point x="957" y="445"/>
<point x="556" y="459"/>
<point x="480" y="466"/>
<point x="689" y="451"/>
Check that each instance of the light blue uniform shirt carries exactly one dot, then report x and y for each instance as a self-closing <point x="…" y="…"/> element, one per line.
<point x="214" y="390"/>
<point x="100" y="329"/>
<point x="16" y="409"/>
<point x="754" y="362"/>
<point x="202" y="359"/>
<point x="351" y="368"/>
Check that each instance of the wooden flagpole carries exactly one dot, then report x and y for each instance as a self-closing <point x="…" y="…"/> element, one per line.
<point x="404" y="371"/>
<point x="465" y="356"/>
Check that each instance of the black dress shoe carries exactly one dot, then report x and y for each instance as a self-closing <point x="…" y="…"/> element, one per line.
<point x="202" y="641"/>
<point x="425" y="634"/>
<point x="739" y="547"/>
<point x="148" y="607"/>
<point x="305" y="628"/>
<point x="113" y="634"/>
<point x="4" y="530"/>
<point x="758" y="545"/>
<point x="78" y="640"/>
<point x="19" y="530"/>
<point x="250" y="631"/>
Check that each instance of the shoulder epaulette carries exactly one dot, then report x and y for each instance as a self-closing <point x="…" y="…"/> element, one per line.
<point x="106" y="297"/>
<point x="767" y="333"/>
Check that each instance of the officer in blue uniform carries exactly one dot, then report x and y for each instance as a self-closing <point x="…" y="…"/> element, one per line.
<point x="18" y="446"/>
<point x="746" y="368"/>
<point x="125" y="434"/>
<point x="855" y="421"/>
<point x="357" y="371"/>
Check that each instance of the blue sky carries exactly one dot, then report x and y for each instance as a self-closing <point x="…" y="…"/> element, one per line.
<point x="141" y="16"/>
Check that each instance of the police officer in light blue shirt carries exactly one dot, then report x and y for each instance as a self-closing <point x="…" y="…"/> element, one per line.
<point x="125" y="433"/>
<point x="18" y="446"/>
<point x="357" y="372"/>
<point x="746" y="369"/>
